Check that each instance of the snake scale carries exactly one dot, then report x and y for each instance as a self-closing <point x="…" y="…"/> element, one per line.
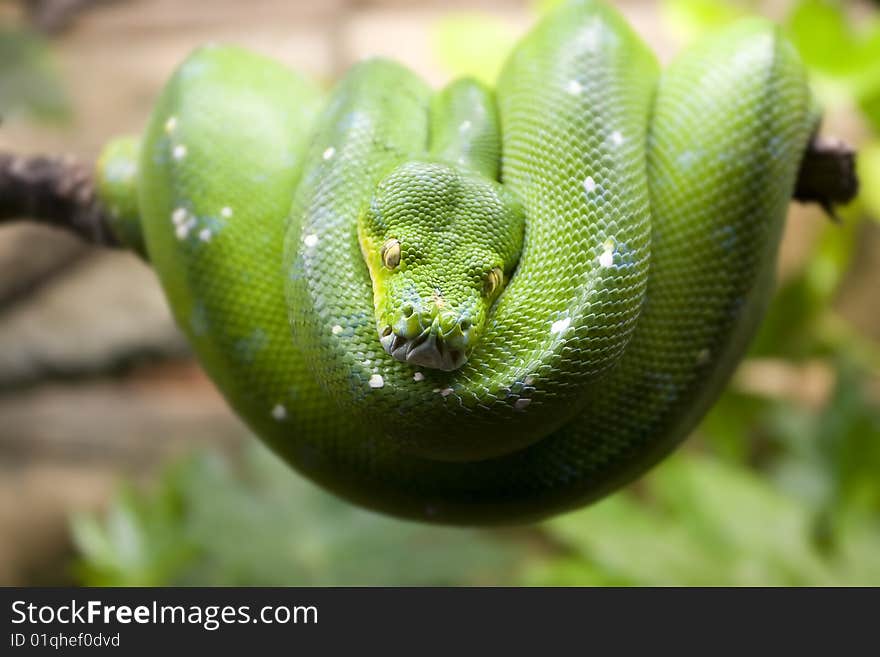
<point x="472" y="305"/>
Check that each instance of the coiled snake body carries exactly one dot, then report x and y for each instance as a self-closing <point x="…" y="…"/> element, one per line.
<point x="472" y="306"/>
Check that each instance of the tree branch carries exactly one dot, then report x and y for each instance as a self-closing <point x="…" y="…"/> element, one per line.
<point x="828" y="174"/>
<point x="60" y="191"/>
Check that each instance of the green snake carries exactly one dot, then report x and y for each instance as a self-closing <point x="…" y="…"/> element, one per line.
<point x="472" y="305"/>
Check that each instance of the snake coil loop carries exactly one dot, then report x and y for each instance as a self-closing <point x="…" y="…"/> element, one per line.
<point x="474" y="305"/>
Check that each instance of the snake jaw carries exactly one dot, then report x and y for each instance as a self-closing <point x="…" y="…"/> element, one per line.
<point x="430" y="348"/>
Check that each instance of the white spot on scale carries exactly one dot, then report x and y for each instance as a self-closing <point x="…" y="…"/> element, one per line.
<point x="521" y="403"/>
<point x="446" y="392"/>
<point x="560" y="325"/>
<point x="170" y="124"/>
<point x="182" y="231"/>
<point x="376" y="381"/>
<point x="465" y="126"/>
<point x="418" y="376"/>
<point x="616" y="138"/>
<point x="121" y="171"/>
<point x="590" y="35"/>
<point x="179" y="152"/>
<point x="574" y="87"/>
<point x="279" y="412"/>
<point x="606" y="259"/>
<point x="310" y="240"/>
<point x="589" y="184"/>
<point x="529" y="380"/>
<point x="205" y="235"/>
<point x="329" y="152"/>
<point x="336" y="330"/>
<point x="226" y="212"/>
<point x="179" y="216"/>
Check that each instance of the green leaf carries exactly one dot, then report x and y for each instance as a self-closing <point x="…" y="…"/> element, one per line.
<point x="843" y="55"/>
<point x="829" y="41"/>
<point x="819" y="31"/>
<point x="138" y="543"/>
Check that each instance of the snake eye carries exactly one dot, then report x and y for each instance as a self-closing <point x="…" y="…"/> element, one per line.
<point x="493" y="281"/>
<point x="391" y="253"/>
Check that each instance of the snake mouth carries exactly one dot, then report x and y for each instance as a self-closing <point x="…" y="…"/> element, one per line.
<point x="426" y="349"/>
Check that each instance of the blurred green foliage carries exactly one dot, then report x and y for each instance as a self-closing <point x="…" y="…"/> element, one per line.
<point x="29" y="81"/>
<point x="841" y="53"/>
<point x="697" y="521"/>
<point x="687" y="20"/>
<point x="209" y="522"/>
<point x="772" y="489"/>
<point x="473" y="45"/>
<point x="869" y="173"/>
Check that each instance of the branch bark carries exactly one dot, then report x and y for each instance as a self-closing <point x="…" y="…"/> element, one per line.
<point x="60" y="191"/>
<point x="828" y="174"/>
<point x="57" y="191"/>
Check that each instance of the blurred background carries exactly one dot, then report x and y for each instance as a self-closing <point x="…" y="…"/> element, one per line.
<point x="121" y="465"/>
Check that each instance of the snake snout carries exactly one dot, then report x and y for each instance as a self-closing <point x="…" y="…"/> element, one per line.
<point x="441" y="344"/>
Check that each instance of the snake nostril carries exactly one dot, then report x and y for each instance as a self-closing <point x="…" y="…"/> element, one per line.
<point x="386" y="331"/>
<point x="408" y="310"/>
<point x="465" y="324"/>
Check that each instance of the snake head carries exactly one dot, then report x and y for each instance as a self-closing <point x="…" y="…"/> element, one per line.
<point x="440" y="244"/>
